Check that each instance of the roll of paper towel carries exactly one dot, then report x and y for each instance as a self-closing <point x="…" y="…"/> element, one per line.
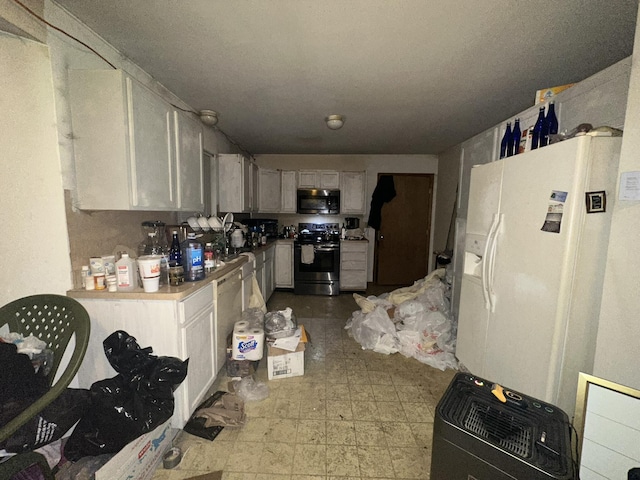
<point x="247" y="344"/>
<point x="241" y="325"/>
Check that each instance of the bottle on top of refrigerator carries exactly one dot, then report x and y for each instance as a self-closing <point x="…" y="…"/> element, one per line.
<point x="506" y="138"/>
<point x="538" y="129"/>
<point x="126" y="273"/>
<point x="552" y="120"/>
<point x="192" y="259"/>
<point x="515" y="135"/>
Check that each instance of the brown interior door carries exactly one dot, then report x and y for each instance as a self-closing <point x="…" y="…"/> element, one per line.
<point x="402" y="243"/>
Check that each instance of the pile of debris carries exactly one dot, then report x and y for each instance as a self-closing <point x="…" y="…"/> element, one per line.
<point x="415" y="321"/>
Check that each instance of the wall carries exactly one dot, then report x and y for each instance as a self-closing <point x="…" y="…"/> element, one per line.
<point x="34" y="243"/>
<point x="372" y="164"/>
<point x="619" y="328"/>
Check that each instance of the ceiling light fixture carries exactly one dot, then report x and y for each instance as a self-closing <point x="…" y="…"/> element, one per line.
<point x="334" y="122"/>
<point x="209" y="117"/>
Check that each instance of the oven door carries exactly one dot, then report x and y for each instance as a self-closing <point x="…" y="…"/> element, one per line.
<point x="322" y="276"/>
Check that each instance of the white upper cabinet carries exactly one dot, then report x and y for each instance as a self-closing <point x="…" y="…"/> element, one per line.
<point x="325" y="179"/>
<point x="237" y="178"/>
<point x="189" y="162"/>
<point x="352" y="192"/>
<point x="288" y="201"/>
<point x="127" y="141"/>
<point x="268" y="190"/>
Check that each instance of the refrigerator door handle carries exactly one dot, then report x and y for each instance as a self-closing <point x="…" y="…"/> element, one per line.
<point x="492" y="262"/>
<point x="485" y="263"/>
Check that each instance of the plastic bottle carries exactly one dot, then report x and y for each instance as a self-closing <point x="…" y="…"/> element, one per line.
<point x="175" y="252"/>
<point x="506" y="138"/>
<point x="552" y="120"/>
<point x="192" y="259"/>
<point x="126" y="273"/>
<point x="209" y="258"/>
<point x="515" y="138"/>
<point x="84" y="273"/>
<point x="538" y="129"/>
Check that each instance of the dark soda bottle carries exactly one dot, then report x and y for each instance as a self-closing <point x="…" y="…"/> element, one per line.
<point x="516" y="136"/>
<point x="551" y="119"/>
<point x="175" y="253"/>
<point x="505" y="141"/>
<point x="538" y="129"/>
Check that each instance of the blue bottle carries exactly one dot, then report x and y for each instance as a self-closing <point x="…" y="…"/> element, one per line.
<point x="516" y="134"/>
<point x="552" y="120"/>
<point x="504" y="144"/>
<point x="175" y="252"/>
<point x="538" y="129"/>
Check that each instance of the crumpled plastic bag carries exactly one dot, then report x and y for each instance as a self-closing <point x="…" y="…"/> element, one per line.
<point x="280" y="324"/>
<point x="249" y="390"/>
<point x="255" y="317"/>
<point x="422" y="326"/>
<point x="374" y="331"/>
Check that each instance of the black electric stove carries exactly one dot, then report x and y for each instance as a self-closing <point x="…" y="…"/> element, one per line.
<point x="316" y="256"/>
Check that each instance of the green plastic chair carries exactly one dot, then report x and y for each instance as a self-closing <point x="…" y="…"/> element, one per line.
<point x="54" y="319"/>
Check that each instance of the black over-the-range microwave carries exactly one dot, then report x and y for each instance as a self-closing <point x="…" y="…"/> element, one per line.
<point x="313" y="201"/>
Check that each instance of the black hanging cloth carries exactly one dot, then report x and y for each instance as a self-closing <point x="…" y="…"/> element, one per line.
<point x="385" y="192"/>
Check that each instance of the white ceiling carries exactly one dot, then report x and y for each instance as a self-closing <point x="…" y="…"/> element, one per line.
<point x="410" y="76"/>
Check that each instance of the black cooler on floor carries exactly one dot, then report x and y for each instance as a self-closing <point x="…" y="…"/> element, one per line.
<point x="482" y="431"/>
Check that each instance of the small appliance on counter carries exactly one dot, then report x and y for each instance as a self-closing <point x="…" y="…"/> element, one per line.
<point x="352" y="223"/>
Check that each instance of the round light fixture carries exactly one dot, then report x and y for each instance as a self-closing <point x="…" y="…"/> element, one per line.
<point x="334" y="122"/>
<point x="209" y="117"/>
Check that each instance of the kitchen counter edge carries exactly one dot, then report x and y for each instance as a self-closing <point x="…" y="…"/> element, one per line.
<point x="165" y="292"/>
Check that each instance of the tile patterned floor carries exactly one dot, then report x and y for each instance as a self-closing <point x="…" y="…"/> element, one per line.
<point x="354" y="413"/>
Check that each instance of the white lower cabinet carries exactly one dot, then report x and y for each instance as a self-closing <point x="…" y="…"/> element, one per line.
<point x="195" y="327"/>
<point x="284" y="264"/>
<point x="353" y="264"/>
<point x="182" y="329"/>
<point x="265" y="271"/>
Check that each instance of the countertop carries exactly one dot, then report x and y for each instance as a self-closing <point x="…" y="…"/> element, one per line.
<point x="166" y="292"/>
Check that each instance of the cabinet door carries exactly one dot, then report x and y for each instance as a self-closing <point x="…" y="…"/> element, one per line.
<point x="284" y="265"/>
<point x="288" y="192"/>
<point x="188" y="141"/>
<point x="269" y="270"/>
<point x="254" y="182"/>
<point x="269" y="190"/>
<point x="198" y="342"/>
<point x="352" y="192"/>
<point x="152" y="166"/>
<point x="230" y="183"/>
<point x="328" y="179"/>
<point x="307" y="179"/>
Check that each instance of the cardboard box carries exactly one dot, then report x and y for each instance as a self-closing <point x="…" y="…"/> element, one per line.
<point x="140" y="458"/>
<point x="283" y="363"/>
<point x="547" y="94"/>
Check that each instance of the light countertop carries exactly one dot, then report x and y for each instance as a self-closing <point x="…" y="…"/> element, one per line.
<point x="166" y="292"/>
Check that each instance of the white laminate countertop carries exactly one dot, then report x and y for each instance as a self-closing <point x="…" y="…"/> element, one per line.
<point x="166" y="292"/>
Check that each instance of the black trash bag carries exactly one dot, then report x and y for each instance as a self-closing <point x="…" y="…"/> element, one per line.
<point x="134" y="402"/>
<point x="51" y="423"/>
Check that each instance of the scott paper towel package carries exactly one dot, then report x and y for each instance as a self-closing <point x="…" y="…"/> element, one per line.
<point x="247" y="343"/>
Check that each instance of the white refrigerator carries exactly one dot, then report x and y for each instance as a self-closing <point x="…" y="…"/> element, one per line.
<point x="536" y="242"/>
